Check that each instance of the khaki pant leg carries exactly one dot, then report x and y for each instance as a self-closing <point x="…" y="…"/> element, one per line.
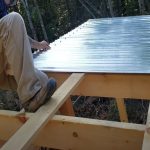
<point x="18" y="54"/>
<point x="6" y="82"/>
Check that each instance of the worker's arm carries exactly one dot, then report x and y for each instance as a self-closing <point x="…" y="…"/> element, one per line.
<point x="43" y="45"/>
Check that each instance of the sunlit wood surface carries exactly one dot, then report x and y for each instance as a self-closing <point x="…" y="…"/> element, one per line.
<point x="114" y="45"/>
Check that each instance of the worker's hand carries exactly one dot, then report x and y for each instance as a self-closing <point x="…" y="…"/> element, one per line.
<point x="43" y="45"/>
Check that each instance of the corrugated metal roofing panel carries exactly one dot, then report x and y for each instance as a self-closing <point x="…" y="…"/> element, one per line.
<point x="112" y="45"/>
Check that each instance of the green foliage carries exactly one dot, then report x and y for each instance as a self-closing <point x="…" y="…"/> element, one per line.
<point x="131" y="8"/>
<point x="61" y="16"/>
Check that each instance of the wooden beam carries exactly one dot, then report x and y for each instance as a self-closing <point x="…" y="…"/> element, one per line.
<point x="89" y="134"/>
<point x="111" y="85"/>
<point x="59" y="76"/>
<point x="122" y="110"/>
<point x="146" y="141"/>
<point x="64" y="132"/>
<point x="67" y="108"/>
<point x="32" y="127"/>
<point x="115" y="85"/>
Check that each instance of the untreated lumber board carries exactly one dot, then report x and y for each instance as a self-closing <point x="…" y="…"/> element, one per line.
<point x="146" y="140"/>
<point x="88" y="134"/>
<point x="59" y="76"/>
<point x="111" y="85"/>
<point x="74" y="133"/>
<point x="122" y="109"/>
<point x="67" y="108"/>
<point x="115" y="85"/>
<point x="25" y="135"/>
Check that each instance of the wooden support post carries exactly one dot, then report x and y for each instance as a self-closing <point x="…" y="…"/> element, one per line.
<point x="67" y="108"/>
<point x="115" y="85"/>
<point x="122" y="110"/>
<point x="146" y="140"/>
<point x="23" y="138"/>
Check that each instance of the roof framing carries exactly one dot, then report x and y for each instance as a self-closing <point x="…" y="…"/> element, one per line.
<point x="65" y="132"/>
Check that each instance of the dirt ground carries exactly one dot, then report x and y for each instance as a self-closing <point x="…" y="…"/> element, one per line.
<point x="89" y="107"/>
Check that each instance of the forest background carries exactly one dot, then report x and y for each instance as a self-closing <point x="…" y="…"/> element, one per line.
<point x="50" y="19"/>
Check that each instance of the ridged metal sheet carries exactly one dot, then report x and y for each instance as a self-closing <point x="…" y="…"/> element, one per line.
<point x="114" y="45"/>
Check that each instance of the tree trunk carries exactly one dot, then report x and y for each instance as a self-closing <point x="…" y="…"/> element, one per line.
<point x="67" y="5"/>
<point x="103" y="8"/>
<point x="68" y="10"/>
<point x="119" y="8"/>
<point x="41" y="20"/>
<point x="26" y="7"/>
<point x="147" y="4"/>
<point x="93" y="7"/>
<point x="141" y="6"/>
<point x="110" y="5"/>
<point x="89" y="11"/>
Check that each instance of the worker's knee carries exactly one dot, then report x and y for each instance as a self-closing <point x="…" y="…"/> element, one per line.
<point x="16" y="17"/>
<point x="10" y="21"/>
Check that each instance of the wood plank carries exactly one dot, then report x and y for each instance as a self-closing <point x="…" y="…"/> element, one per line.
<point x="32" y="127"/>
<point x="89" y="134"/>
<point x="115" y="85"/>
<point x="59" y="76"/>
<point x="65" y="132"/>
<point x="122" y="110"/>
<point x="66" y="108"/>
<point x="146" y="140"/>
<point x="111" y="85"/>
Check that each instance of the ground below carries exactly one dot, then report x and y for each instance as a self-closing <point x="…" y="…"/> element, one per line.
<point x="89" y="107"/>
